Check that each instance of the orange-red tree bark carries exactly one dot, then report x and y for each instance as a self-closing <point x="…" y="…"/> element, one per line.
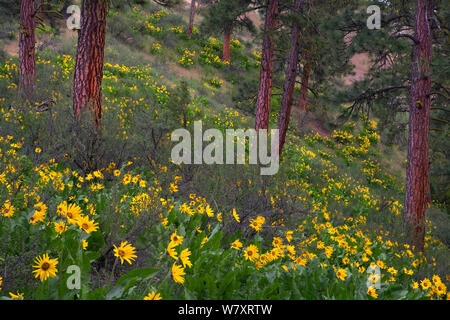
<point x="191" y="19"/>
<point x="226" y="44"/>
<point x="27" y="42"/>
<point x="87" y="88"/>
<point x="265" y="77"/>
<point x="289" y="82"/>
<point x="417" y="188"/>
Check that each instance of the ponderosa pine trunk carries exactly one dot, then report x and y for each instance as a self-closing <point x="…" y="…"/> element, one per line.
<point x="289" y="82"/>
<point x="27" y="43"/>
<point x="303" y="104"/>
<point x="417" y="187"/>
<point x="191" y="19"/>
<point x="265" y="77"/>
<point x="226" y="44"/>
<point x="87" y="88"/>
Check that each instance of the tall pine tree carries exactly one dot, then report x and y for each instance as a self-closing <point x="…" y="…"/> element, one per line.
<point x="87" y="88"/>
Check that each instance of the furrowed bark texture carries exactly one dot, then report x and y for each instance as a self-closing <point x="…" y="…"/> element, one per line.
<point x="265" y="77"/>
<point x="289" y="82"/>
<point x="226" y="44"/>
<point x="27" y="41"/>
<point x="191" y="19"/>
<point x="87" y="89"/>
<point x="417" y="187"/>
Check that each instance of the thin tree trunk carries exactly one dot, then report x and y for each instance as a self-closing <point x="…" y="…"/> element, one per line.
<point x="191" y="19"/>
<point x="289" y="82"/>
<point x="265" y="77"/>
<point x="303" y="104"/>
<point x="226" y="44"/>
<point x="27" y="43"/>
<point x="417" y="188"/>
<point x="87" y="89"/>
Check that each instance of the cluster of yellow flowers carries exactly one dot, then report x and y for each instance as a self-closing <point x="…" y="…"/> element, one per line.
<point x="178" y="270"/>
<point x="156" y="47"/>
<point x="186" y="59"/>
<point x="177" y="29"/>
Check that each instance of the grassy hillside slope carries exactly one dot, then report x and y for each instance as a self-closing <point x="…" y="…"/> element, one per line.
<point x="112" y="202"/>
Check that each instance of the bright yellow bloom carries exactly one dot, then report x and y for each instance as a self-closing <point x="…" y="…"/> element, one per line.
<point x="173" y="188"/>
<point x="277" y="241"/>
<point x="61" y="210"/>
<point x="300" y="261"/>
<point x="39" y="213"/>
<point x="87" y="225"/>
<point x="204" y="241"/>
<point x="153" y="296"/>
<point x="125" y="252"/>
<point x="341" y="274"/>
<point x="178" y="273"/>
<point x="425" y="283"/>
<point x="436" y="279"/>
<point x="328" y="251"/>
<point x="209" y="211"/>
<point x="60" y="227"/>
<point x="176" y="239"/>
<point x="236" y="244"/>
<point x="251" y="253"/>
<point x="98" y="174"/>
<point x="126" y="179"/>
<point x="236" y="216"/>
<point x="289" y="235"/>
<point x="73" y="213"/>
<point x="257" y="223"/>
<point x="171" y="250"/>
<point x="37" y="216"/>
<point x="8" y="209"/>
<point x="45" y="267"/>
<point x="18" y="296"/>
<point x="372" y="292"/>
<point x="184" y="256"/>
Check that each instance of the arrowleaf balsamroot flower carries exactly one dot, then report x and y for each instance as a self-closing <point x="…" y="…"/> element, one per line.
<point x="176" y="239"/>
<point x="153" y="296"/>
<point x="184" y="256"/>
<point x="73" y="213"/>
<point x="236" y="244"/>
<point x="178" y="273"/>
<point x="45" y="267"/>
<point x="8" y="209"/>
<point x="39" y="213"/>
<point x="18" y="296"/>
<point x="171" y="250"/>
<point x="257" y="223"/>
<point x="60" y="227"/>
<point x="87" y="225"/>
<point x="251" y="253"/>
<point x="236" y="216"/>
<point x="425" y="283"/>
<point x="125" y="252"/>
<point x="341" y="274"/>
<point x="371" y="291"/>
<point x="209" y="211"/>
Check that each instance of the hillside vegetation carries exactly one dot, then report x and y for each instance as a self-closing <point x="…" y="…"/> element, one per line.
<point x="111" y="201"/>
